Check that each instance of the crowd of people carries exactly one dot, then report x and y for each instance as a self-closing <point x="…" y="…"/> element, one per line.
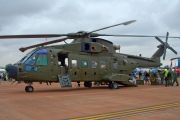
<point x="166" y="77"/>
<point x="4" y="77"/>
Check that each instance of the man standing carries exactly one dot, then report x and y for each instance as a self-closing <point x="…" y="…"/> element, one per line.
<point x="166" y="77"/>
<point x="175" y="76"/>
<point x="147" y="76"/>
<point x="3" y="76"/>
<point x="162" y="76"/>
<point x="170" y="75"/>
<point x="133" y="77"/>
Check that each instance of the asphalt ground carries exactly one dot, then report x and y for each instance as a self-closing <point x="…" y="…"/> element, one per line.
<point x="145" y="102"/>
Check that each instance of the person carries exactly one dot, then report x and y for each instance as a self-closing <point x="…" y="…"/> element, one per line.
<point x="7" y="77"/>
<point x="3" y="76"/>
<point x="167" y="77"/>
<point x="133" y="77"/>
<point x="147" y="77"/>
<point x="175" y="76"/>
<point x="140" y="74"/>
<point x="170" y="74"/>
<point x="162" y="76"/>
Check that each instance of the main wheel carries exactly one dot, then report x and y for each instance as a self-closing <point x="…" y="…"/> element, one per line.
<point x="87" y="84"/>
<point x="29" y="89"/>
<point x="26" y="88"/>
<point x="115" y="85"/>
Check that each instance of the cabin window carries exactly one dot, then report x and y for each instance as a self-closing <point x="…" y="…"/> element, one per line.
<point x="42" y="60"/>
<point x="87" y="47"/>
<point x="84" y="64"/>
<point x="115" y="65"/>
<point x="31" y="60"/>
<point x="93" y="40"/>
<point x="103" y="64"/>
<point x="94" y="64"/>
<point x="74" y="63"/>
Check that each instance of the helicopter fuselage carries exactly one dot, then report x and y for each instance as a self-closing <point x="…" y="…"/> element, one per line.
<point x="89" y="60"/>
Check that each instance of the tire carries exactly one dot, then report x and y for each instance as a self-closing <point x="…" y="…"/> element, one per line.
<point x="26" y="89"/>
<point x="87" y="84"/>
<point x="115" y="85"/>
<point x="29" y="89"/>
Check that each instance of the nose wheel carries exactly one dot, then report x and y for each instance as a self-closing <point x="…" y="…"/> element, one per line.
<point x="29" y="88"/>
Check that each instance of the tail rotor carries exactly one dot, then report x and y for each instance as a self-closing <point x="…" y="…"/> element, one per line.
<point x="166" y="45"/>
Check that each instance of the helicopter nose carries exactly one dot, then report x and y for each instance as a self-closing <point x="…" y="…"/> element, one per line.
<point x="12" y="71"/>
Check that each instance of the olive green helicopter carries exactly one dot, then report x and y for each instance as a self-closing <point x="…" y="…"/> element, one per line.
<point x="86" y="59"/>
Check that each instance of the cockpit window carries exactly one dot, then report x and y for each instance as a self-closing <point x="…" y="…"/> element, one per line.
<point x="39" y="55"/>
<point x="26" y="57"/>
<point x="21" y="60"/>
<point x="31" y="60"/>
<point x="42" y="59"/>
<point x="42" y="51"/>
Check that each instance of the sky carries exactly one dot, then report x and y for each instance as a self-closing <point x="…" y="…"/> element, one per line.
<point x="66" y="16"/>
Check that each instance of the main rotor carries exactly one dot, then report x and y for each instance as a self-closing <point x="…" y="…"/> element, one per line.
<point x="82" y="34"/>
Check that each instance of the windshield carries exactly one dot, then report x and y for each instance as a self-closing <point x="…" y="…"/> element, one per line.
<point x="25" y="57"/>
<point x="31" y="60"/>
<point x="32" y="57"/>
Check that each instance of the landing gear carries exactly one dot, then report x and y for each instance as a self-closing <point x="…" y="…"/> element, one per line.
<point x="29" y="88"/>
<point x="113" y="85"/>
<point x="88" y="84"/>
<point x="79" y="84"/>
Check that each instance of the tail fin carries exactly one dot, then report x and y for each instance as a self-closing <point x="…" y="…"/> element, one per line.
<point x="157" y="55"/>
<point x="162" y="49"/>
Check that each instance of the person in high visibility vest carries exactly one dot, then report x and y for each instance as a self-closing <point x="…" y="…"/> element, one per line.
<point x="7" y="77"/>
<point x="166" y="77"/>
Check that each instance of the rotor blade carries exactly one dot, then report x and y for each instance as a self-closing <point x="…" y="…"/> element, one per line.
<point x="124" y="23"/>
<point x="135" y="36"/>
<point x="164" y="53"/>
<point x="167" y="36"/>
<point x="173" y="50"/>
<point x="160" y="40"/>
<point x="31" y="36"/>
<point x="42" y="44"/>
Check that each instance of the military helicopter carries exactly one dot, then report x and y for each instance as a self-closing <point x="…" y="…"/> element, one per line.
<point x="86" y="59"/>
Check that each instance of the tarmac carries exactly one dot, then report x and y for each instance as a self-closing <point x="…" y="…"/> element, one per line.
<point x="145" y="102"/>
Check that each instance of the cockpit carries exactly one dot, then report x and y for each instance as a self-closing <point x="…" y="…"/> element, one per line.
<point x="37" y="57"/>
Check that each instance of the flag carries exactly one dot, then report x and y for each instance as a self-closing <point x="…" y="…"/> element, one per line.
<point x="178" y="63"/>
<point x="171" y="66"/>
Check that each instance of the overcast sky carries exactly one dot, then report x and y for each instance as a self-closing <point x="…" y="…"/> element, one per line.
<point x="154" y="17"/>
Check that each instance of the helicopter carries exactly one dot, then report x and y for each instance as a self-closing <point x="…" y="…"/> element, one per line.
<point x="86" y="59"/>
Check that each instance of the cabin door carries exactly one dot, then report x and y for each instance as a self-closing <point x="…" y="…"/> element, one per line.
<point x="63" y="63"/>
